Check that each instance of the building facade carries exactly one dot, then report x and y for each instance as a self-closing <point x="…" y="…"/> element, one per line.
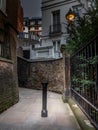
<point x="42" y="38"/>
<point x="54" y="24"/>
<point x="9" y="94"/>
<point x="30" y="38"/>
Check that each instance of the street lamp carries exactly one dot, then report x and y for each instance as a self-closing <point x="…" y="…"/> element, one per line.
<point x="70" y="17"/>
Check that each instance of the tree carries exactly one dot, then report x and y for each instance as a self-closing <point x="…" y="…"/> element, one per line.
<point x="84" y="29"/>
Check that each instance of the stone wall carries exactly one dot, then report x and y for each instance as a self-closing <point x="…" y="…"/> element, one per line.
<point x="52" y="71"/>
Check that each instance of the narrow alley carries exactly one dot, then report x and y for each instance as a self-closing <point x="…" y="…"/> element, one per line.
<point x="49" y="44"/>
<point x="26" y="114"/>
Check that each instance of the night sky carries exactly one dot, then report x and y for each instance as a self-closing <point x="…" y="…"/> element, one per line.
<point x="32" y="8"/>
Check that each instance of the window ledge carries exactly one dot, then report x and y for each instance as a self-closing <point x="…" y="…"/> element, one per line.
<point x="6" y="60"/>
<point x="3" y="12"/>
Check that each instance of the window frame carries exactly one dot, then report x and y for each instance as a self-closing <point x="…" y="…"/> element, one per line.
<point x="5" y="46"/>
<point x="56" y="17"/>
<point x="56" y="45"/>
<point x="3" y="6"/>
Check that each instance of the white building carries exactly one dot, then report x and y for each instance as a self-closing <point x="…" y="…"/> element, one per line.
<point x="30" y="38"/>
<point x="54" y="25"/>
<point x="52" y="30"/>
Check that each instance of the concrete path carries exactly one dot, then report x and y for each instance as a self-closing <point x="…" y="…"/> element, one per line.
<point x="26" y="115"/>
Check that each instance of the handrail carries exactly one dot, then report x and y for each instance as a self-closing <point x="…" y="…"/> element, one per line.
<point x="82" y="47"/>
<point x="85" y="100"/>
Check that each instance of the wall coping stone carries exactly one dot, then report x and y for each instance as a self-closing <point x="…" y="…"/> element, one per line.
<point x="45" y="59"/>
<point x="82" y="119"/>
<point x="40" y="60"/>
<point x="6" y="60"/>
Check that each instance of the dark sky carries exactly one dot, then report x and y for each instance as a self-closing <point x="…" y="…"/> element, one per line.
<point x="32" y="8"/>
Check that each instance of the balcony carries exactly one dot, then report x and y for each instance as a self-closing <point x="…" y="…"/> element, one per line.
<point x="55" y="30"/>
<point x="28" y="36"/>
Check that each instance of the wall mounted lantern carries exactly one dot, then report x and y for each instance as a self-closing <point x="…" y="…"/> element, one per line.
<point x="70" y="16"/>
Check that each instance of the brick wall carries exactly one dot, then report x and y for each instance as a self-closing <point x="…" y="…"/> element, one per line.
<point x="20" y="18"/>
<point x="9" y="94"/>
<point x="8" y="89"/>
<point x="15" y="14"/>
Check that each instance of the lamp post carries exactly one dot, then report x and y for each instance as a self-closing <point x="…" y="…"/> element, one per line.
<point x="70" y="17"/>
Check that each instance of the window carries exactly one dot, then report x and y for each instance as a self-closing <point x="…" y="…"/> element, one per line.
<point x="5" y="51"/>
<point x="40" y="22"/>
<point x="0" y="2"/>
<point x="36" y="22"/>
<point x="56" y="45"/>
<point x="56" y="21"/>
<point x="33" y="46"/>
<point x="31" y="22"/>
<point x="3" y="5"/>
<point x="1" y="41"/>
<point x="56" y="17"/>
<point x="26" y="35"/>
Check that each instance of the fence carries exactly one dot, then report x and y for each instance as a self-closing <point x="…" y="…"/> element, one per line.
<point x="84" y="79"/>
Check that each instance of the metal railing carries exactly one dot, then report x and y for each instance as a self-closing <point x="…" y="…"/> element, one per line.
<point x="27" y="35"/>
<point x="84" y="79"/>
<point x="55" y="28"/>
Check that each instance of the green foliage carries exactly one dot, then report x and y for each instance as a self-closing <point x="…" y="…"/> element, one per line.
<point x="75" y="80"/>
<point x="82" y="79"/>
<point x="94" y="60"/>
<point x="64" y="50"/>
<point x="85" y="62"/>
<point x="84" y="29"/>
<point x="87" y="82"/>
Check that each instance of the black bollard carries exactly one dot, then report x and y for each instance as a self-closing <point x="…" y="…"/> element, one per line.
<point x="44" y="112"/>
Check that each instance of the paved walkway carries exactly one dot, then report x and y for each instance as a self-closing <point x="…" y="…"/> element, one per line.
<point x="26" y="115"/>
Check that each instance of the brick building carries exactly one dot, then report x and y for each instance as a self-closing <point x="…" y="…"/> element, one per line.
<point x="9" y="27"/>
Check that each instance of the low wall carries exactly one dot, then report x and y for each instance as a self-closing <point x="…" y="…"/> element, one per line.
<point x="52" y="71"/>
